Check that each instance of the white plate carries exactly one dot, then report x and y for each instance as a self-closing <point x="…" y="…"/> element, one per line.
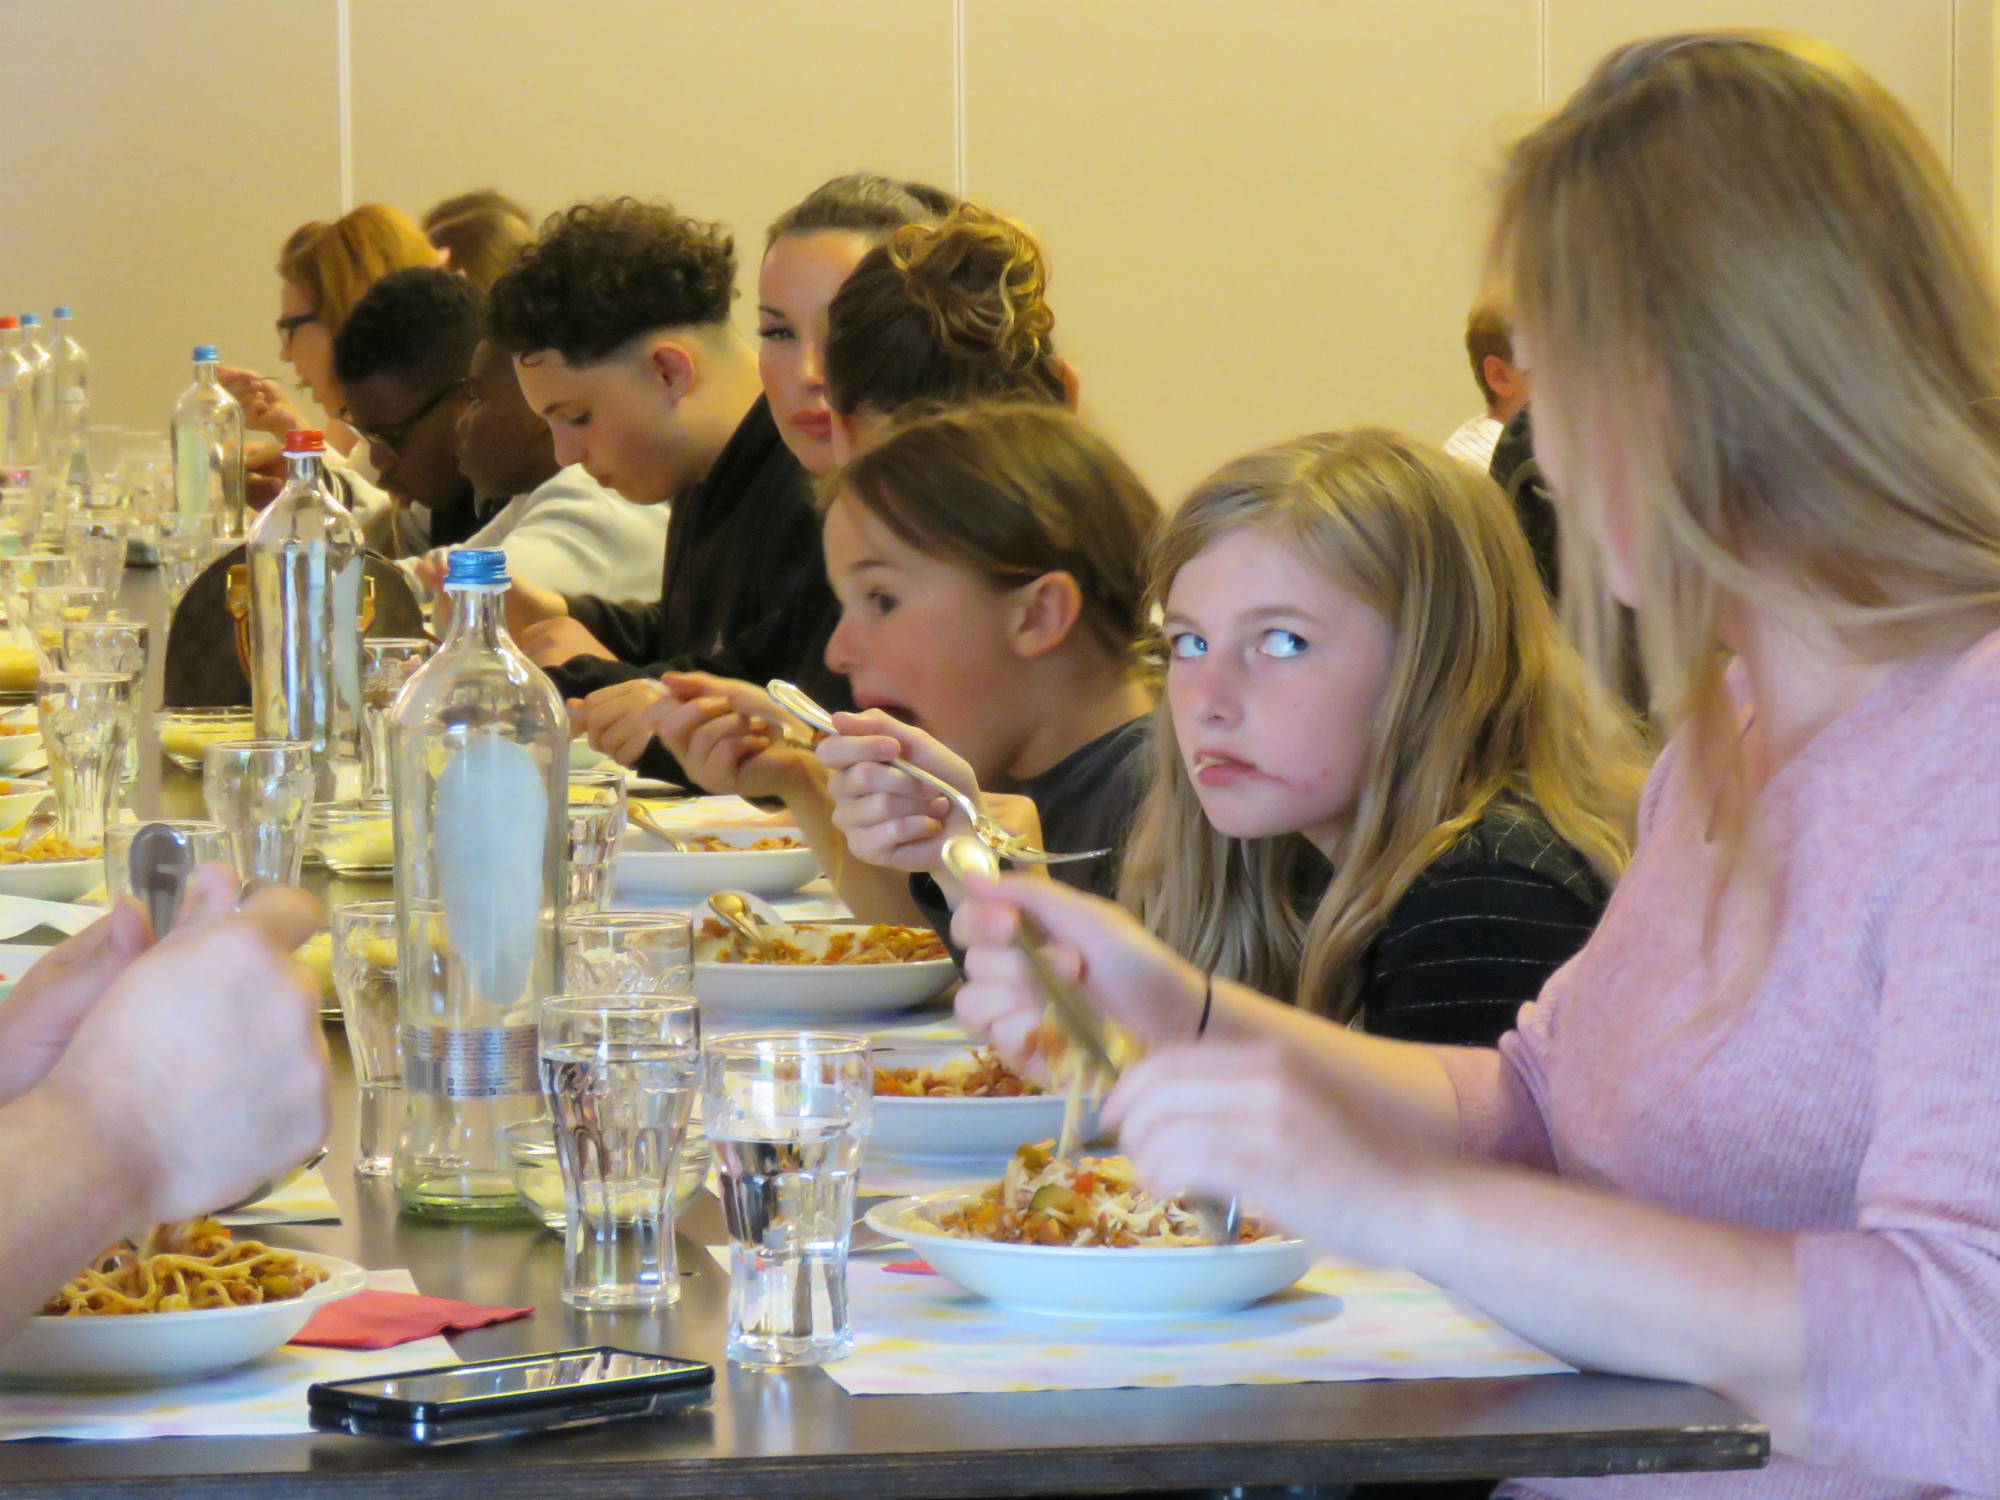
<point x="956" y="1129"/>
<point x="150" y="1348"/>
<point x="53" y="879"/>
<point x="1050" y="1281"/>
<point x="15" y="960"/>
<point x="801" y="991"/>
<point x="15" y="748"/>
<point x="646" y="865"/>
<point x="18" y="799"/>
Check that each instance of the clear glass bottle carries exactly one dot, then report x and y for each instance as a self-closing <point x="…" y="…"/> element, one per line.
<point x="208" y="448"/>
<point x="72" y="367"/>
<point x="479" y="761"/>
<point x="42" y="379"/>
<point x="20" y="438"/>
<point x="305" y="556"/>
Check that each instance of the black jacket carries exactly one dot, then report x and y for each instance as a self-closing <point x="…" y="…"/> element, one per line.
<point x="744" y="593"/>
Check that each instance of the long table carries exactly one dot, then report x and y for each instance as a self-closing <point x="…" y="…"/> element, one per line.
<point x="797" y="1433"/>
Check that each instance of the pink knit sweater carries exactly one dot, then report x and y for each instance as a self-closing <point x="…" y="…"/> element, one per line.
<point x="1853" y="1098"/>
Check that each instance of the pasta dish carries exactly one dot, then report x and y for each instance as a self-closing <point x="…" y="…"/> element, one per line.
<point x="1079" y="1202"/>
<point x="49" y="846"/>
<point x="710" y="843"/>
<point x="180" y="1268"/>
<point x="871" y="945"/>
<point x="979" y="1075"/>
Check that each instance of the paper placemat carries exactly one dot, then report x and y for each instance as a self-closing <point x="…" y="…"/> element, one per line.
<point x="923" y="1335"/>
<point x="305" y="1201"/>
<point x="264" y="1399"/>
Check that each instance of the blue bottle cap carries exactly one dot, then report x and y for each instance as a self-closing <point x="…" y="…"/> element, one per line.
<point x="31" y="320"/>
<point x="63" y="310"/>
<point x="205" y="352"/>
<point x="476" y="567"/>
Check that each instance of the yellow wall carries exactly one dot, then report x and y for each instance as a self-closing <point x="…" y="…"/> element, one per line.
<point x="1263" y="215"/>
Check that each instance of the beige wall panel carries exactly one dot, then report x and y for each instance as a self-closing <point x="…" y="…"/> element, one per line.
<point x="1263" y="217"/>
<point x="156" y="157"/>
<point x="732" y="110"/>
<point x="1907" y="44"/>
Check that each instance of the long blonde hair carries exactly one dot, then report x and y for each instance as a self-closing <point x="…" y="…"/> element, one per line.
<point x="1485" y="700"/>
<point x="1757" y="312"/>
<point x="334" y="264"/>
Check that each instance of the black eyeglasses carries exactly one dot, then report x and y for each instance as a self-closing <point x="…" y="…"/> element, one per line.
<point x="289" y="326"/>
<point x="395" y="436"/>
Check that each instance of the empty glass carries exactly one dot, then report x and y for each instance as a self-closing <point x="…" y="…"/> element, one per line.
<point x="787" y="1114"/>
<point x="261" y="791"/>
<point x="52" y="606"/>
<point x="94" y="541"/>
<point x="19" y="574"/>
<point x="105" y="646"/>
<point x="594" y="829"/>
<point x="185" y="545"/>
<point x="387" y="662"/>
<point x="209" y="841"/>
<point x="628" y="953"/>
<point x="364" y="977"/>
<point x="85" y="718"/>
<point x="619" y="1071"/>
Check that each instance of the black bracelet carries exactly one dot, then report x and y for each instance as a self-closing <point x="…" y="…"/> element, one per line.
<point x="1207" y="1005"/>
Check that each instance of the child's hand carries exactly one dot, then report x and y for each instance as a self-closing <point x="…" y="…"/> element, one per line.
<point x="728" y="737"/>
<point x="618" y="719"/>
<point x="891" y="818"/>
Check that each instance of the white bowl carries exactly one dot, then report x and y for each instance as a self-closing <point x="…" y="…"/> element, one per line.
<point x="583" y="758"/>
<point x="15" y="748"/>
<point x="18" y="799"/>
<point x="150" y="1348"/>
<point x="946" y="1129"/>
<point x="646" y="866"/>
<point x="1095" y="1282"/>
<point x="53" y="879"/>
<point x="811" y="991"/>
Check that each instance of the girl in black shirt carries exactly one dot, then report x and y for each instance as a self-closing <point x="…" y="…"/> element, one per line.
<point x="1370" y="706"/>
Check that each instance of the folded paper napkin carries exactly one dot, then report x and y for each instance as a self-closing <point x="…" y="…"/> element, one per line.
<point x="380" y="1320"/>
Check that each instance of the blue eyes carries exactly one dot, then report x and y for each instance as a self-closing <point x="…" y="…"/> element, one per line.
<point x="1282" y="643"/>
<point x="1186" y="646"/>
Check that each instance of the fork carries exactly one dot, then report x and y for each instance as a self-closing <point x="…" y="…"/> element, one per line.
<point x="799" y="705"/>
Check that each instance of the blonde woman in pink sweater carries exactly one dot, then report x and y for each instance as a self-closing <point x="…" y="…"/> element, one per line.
<point x="1750" y="1136"/>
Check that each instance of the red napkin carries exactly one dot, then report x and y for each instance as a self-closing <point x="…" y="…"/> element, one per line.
<point x="381" y="1320"/>
<point x="908" y="1267"/>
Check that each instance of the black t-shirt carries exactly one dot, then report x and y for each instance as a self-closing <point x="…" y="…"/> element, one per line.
<point x="1478" y="933"/>
<point x="1087" y="800"/>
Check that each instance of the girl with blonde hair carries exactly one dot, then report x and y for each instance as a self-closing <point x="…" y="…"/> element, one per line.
<point x="1746" y="1138"/>
<point x="1365" y="675"/>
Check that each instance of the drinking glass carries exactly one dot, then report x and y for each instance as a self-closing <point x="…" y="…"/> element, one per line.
<point x="94" y="541"/>
<point x="364" y="977"/>
<point x="186" y="545"/>
<point x="619" y="1071"/>
<point x="594" y="829"/>
<point x="628" y="953"/>
<point x="85" y="719"/>
<point x="261" y="791"/>
<point x="387" y="662"/>
<point x="787" y="1114"/>
<point x="105" y="646"/>
<point x="20" y="573"/>
<point x="208" y="841"/>
<point x="104" y="449"/>
<point x="55" y="605"/>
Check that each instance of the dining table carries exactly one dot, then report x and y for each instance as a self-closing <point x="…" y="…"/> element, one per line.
<point x="798" y="1433"/>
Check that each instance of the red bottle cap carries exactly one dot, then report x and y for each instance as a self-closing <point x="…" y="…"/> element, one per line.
<point x="9" y="321"/>
<point x="305" y="440"/>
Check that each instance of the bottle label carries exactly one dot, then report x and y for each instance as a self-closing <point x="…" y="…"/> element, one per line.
<point x="481" y="1062"/>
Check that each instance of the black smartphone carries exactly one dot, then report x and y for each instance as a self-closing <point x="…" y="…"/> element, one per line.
<point x="509" y="1397"/>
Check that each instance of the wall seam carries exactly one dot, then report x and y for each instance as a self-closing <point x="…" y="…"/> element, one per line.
<point x="344" y="83"/>
<point x="1541" y="52"/>
<point x="957" y="97"/>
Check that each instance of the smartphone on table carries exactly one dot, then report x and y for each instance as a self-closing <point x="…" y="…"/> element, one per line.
<point x="510" y="1397"/>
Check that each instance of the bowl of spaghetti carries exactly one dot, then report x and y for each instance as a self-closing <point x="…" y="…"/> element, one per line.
<point x="50" y="869"/>
<point x="768" y="859"/>
<point x="819" y="969"/>
<point x="190" y="1300"/>
<point x="956" y="1104"/>
<point x="1064" y="1237"/>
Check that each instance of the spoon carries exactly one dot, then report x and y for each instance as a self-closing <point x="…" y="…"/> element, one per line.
<point x="40" y="823"/>
<point x="641" y="817"/>
<point x="735" y="909"/>
<point x="160" y="862"/>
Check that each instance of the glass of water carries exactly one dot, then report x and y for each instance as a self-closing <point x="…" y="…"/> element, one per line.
<point x="186" y="545"/>
<point x="85" y="718"/>
<point x="619" y="1071"/>
<point x="261" y="791"/>
<point x="364" y="977"/>
<point x="95" y="543"/>
<point x="595" y="825"/>
<point x="52" y="606"/>
<point x="787" y="1114"/>
<point x="628" y="953"/>
<point x="208" y="841"/>
<point x="387" y="662"/>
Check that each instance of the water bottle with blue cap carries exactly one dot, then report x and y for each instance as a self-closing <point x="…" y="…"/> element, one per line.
<point x="479" y="766"/>
<point x="208" y="448"/>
